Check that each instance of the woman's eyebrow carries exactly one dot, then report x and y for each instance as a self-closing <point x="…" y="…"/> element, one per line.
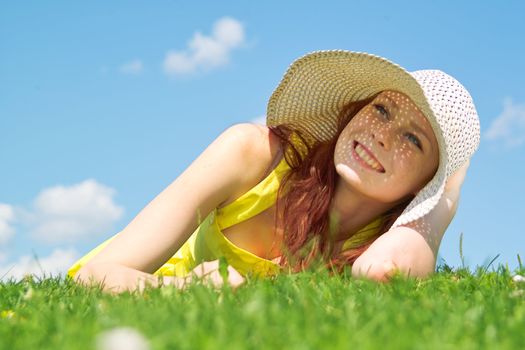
<point x="392" y="102"/>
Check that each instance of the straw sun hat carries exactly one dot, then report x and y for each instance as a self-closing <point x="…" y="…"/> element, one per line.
<point x="316" y="86"/>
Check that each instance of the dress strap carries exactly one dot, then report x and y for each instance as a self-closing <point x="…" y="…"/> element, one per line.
<point x="257" y="199"/>
<point x="364" y="234"/>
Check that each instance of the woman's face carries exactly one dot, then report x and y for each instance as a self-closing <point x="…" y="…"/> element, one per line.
<point x="388" y="150"/>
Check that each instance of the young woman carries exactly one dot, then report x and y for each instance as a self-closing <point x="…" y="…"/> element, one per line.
<point x="360" y="165"/>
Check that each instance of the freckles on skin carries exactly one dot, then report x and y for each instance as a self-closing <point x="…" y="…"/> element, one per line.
<point x="409" y="118"/>
<point x="385" y="128"/>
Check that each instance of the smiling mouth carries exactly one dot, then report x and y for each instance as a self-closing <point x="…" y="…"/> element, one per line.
<point x="365" y="158"/>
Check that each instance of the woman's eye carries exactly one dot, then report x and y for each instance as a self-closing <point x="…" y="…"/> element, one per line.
<point x="381" y="109"/>
<point x="413" y="138"/>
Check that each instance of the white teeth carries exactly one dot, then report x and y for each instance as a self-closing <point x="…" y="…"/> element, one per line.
<point x="364" y="155"/>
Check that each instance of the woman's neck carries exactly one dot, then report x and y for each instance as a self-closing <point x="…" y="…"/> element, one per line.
<point x="352" y="211"/>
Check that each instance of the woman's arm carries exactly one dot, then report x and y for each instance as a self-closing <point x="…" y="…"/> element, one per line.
<point x="115" y="279"/>
<point x="236" y="157"/>
<point x="412" y="249"/>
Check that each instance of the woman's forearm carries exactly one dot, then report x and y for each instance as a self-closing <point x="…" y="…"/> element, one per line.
<point x="115" y="278"/>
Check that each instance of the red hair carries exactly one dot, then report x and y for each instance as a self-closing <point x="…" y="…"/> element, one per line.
<point x="305" y="195"/>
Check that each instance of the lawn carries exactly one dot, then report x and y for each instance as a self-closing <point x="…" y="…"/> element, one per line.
<point x="454" y="309"/>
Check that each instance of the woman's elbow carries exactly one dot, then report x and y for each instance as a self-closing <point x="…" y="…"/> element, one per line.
<point x="383" y="272"/>
<point x="85" y="275"/>
<point x="379" y="272"/>
<point x="91" y="275"/>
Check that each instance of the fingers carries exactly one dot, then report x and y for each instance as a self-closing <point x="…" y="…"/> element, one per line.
<point x="206" y="268"/>
<point x="207" y="272"/>
<point x="177" y="282"/>
<point x="235" y="279"/>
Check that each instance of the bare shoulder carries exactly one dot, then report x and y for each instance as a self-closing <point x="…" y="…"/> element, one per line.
<point x="269" y="142"/>
<point x="261" y="153"/>
<point x="260" y="145"/>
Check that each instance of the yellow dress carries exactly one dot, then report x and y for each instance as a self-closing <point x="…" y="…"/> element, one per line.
<point x="208" y="243"/>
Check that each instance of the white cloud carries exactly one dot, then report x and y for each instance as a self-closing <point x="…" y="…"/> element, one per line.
<point x="133" y="67"/>
<point x="509" y="126"/>
<point x="67" y="214"/>
<point x="259" y="120"/>
<point x="206" y="52"/>
<point x="55" y="264"/>
<point x="6" y="217"/>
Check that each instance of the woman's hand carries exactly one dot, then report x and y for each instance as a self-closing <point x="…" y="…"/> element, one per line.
<point x="209" y="273"/>
<point x="454" y="183"/>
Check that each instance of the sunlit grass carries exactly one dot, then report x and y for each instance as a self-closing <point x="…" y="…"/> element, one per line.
<point x="453" y="309"/>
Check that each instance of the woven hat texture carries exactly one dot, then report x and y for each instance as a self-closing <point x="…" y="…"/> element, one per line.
<point x="316" y="86"/>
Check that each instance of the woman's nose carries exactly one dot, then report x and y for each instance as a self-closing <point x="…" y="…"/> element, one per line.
<point x="382" y="139"/>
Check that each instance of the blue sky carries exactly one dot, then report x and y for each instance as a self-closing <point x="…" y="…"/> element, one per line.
<point x="104" y="103"/>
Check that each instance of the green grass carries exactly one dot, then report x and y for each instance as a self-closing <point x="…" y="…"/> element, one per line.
<point x="451" y="310"/>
